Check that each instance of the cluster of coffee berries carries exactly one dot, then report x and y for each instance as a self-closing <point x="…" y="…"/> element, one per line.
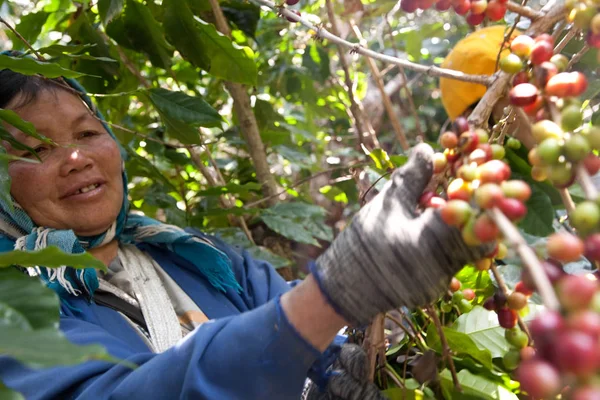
<point x="567" y="344"/>
<point x="585" y="15"/>
<point x="561" y="150"/>
<point x="540" y="75"/>
<point x="461" y="298"/>
<point x="475" y="10"/>
<point x="478" y="180"/>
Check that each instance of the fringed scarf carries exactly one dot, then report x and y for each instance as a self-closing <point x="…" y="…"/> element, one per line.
<point x="18" y="231"/>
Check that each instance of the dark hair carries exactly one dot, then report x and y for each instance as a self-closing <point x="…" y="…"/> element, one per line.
<point x="13" y="83"/>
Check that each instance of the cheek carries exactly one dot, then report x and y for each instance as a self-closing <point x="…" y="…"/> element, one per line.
<point x="28" y="183"/>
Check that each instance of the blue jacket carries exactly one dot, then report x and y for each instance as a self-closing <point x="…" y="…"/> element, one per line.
<point x="248" y="350"/>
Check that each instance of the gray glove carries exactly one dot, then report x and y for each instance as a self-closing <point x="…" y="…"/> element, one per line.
<point x="389" y="255"/>
<point x="349" y="379"/>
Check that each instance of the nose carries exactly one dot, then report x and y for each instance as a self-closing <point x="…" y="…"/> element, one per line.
<point x="74" y="160"/>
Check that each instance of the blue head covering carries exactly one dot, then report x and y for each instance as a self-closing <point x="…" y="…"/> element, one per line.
<point x="18" y="231"/>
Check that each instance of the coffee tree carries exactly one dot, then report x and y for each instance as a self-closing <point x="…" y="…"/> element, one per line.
<point x="270" y="124"/>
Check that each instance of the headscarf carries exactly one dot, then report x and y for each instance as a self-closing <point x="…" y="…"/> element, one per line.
<point x="19" y="232"/>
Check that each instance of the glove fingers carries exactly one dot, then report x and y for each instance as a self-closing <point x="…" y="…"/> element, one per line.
<point x="414" y="176"/>
<point x="344" y="387"/>
<point x="450" y="241"/>
<point x="353" y="360"/>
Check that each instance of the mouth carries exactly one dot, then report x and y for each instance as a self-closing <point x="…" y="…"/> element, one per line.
<point x="88" y="188"/>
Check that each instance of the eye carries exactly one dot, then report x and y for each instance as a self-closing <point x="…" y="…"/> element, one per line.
<point x="88" y="134"/>
<point x="39" y="150"/>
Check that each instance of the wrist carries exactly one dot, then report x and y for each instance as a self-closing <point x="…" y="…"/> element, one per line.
<point x="309" y="312"/>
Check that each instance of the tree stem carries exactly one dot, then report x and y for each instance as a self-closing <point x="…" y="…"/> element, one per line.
<point x="363" y="125"/>
<point x="247" y="120"/>
<point x="387" y="102"/>
<point x="524" y="11"/>
<point x="446" y="352"/>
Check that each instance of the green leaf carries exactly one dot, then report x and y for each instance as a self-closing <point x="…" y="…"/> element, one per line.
<point x="47" y="348"/>
<point x="316" y="60"/>
<point x="30" y="27"/>
<point x="481" y="283"/>
<point x="474" y="387"/>
<point x="459" y="343"/>
<point x="229" y="61"/>
<point x="25" y="302"/>
<point x="180" y="130"/>
<point x="56" y="50"/>
<point x="243" y="15"/>
<point x="482" y="326"/>
<point x="232" y="188"/>
<point x="29" y="66"/>
<point x="298" y="209"/>
<point x="284" y="226"/>
<point x="381" y="159"/>
<point x="109" y="9"/>
<point x="139" y="31"/>
<point x="182" y="32"/>
<point x="404" y="394"/>
<point x="9" y="394"/>
<point x="49" y="257"/>
<point x="187" y="109"/>
<point x="540" y="214"/>
<point x="12" y="118"/>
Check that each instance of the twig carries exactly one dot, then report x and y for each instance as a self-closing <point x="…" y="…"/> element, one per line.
<point x="374" y="338"/>
<point x="552" y="13"/>
<point x="364" y="196"/>
<point x="21" y="38"/>
<point x="577" y="56"/>
<point x="583" y="178"/>
<point x="363" y="125"/>
<point x="387" y="102"/>
<point x="412" y="336"/>
<point x="530" y="260"/>
<point x="411" y="104"/>
<point x="524" y="11"/>
<point x="567" y="200"/>
<point x="571" y="33"/>
<point x="559" y="29"/>
<point x="388" y="371"/>
<point x="324" y="34"/>
<point x="508" y="34"/>
<point x="304" y="180"/>
<point x="502" y="285"/>
<point x="147" y="137"/>
<point x="447" y="354"/>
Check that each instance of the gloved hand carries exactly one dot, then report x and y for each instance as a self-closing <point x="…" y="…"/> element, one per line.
<point x="389" y="255"/>
<point x="349" y="379"/>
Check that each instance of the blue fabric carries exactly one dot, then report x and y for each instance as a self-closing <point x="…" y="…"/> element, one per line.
<point x="210" y="261"/>
<point x="249" y="351"/>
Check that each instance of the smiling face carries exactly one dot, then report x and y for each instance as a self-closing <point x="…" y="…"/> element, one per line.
<point x="78" y="185"/>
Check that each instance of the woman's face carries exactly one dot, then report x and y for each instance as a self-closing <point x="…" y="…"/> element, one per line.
<point x="78" y="185"/>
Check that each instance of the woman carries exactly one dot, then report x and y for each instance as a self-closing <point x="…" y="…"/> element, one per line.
<point x="201" y="319"/>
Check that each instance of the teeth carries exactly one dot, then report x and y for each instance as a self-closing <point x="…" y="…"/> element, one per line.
<point x="87" y="188"/>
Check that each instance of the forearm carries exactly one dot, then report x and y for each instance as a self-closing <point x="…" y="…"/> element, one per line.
<point x="311" y="315"/>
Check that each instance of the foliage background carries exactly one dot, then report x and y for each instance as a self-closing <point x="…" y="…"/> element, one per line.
<point x="157" y="71"/>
